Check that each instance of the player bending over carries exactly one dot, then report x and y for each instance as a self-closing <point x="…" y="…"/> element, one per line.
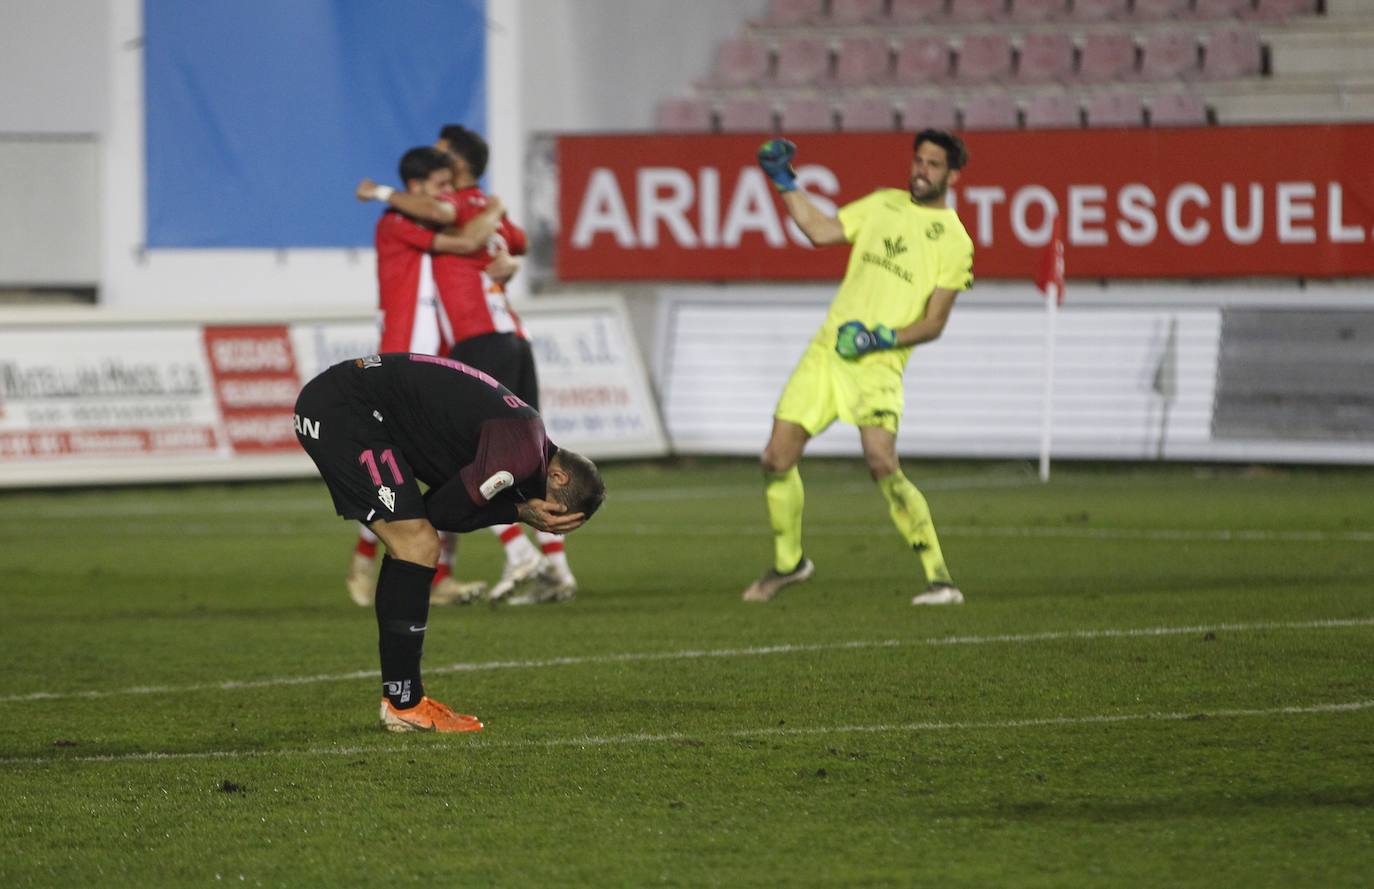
<point x="910" y="257"/>
<point x="378" y="426"/>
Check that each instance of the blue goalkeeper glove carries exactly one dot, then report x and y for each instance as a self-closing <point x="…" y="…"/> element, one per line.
<point x="854" y="339"/>
<point x="775" y="156"/>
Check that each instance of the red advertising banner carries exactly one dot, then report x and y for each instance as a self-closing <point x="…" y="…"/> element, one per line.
<point x="1291" y="201"/>
<point x="255" y="379"/>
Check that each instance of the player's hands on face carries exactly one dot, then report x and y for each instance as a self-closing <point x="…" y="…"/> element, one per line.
<point x="366" y="190"/>
<point x="775" y="157"/>
<point x="550" y="516"/>
<point x="853" y="339"/>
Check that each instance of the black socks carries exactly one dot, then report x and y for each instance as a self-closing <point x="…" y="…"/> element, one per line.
<point x="402" y="613"/>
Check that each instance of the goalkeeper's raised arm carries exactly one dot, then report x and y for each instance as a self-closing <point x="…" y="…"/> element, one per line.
<point x="775" y="157"/>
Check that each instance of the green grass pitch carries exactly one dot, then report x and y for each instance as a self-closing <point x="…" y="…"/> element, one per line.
<point x="1162" y="677"/>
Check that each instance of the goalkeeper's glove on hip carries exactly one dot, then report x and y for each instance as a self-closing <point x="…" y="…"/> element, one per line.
<point x="775" y="157"/>
<point x="854" y="339"/>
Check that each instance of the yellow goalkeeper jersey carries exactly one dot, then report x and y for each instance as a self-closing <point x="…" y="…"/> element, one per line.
<point x="901" y="252"/>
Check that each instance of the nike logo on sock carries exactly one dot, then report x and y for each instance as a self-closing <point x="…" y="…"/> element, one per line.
<point x="419" y="629"/>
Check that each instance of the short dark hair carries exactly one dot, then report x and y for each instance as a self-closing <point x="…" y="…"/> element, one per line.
<point x="419" y="163"/>
<point x="585" y="491"/>
<point x="952" y="144"/>
<point x="468" y="145"/>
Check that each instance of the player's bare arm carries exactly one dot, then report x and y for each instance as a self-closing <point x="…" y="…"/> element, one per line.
<point x="472" y="235"/>
<point x="420" y="207"/>
<point x="503" y="266"/>
<point x="930" y="325"/>
<point x="775" y="158"/>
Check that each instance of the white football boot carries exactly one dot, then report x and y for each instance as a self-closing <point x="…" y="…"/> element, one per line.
<point x="517" y="574"/>
<point x="362" y="586"/>
<point x="551" y="585"/>
<point x="939" y="594"/>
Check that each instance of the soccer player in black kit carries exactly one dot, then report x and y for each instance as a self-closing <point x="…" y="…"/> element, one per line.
<point x="378" y="426"/>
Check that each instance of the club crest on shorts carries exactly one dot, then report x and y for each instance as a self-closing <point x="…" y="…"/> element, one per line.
<point x="388" y="497"/>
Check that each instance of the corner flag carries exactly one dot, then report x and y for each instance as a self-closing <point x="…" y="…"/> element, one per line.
<point x="1050" y="280"/>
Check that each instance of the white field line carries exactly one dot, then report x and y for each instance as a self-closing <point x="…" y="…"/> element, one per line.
<point x="697" y="737"/>
<point x="697" y="654"/>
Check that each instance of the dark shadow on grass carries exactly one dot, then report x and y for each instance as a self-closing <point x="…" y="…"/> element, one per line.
<point x="1289" y="801"/>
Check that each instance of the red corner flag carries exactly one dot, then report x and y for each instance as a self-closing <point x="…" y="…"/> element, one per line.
<point x="1051" y="274"/>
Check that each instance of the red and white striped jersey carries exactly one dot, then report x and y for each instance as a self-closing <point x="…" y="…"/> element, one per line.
<point x="407" y="295"/>
<point x="472" y="303"/>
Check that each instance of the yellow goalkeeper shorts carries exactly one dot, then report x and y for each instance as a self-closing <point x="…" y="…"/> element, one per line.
<point x="825" y="387"/>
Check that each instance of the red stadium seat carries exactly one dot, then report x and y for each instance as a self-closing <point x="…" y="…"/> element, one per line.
<point x="1107" y="56"/>
<point x="862" y="61"/>
<point x="1160" y="10"/>
<point x="855" y="12"/>
<point x="802" y="61"/>
<point x="740" y="61"/>
<point x="1115" y="110"/>
<point x="1097" y="10"/>
<point x="1045" y="56"/>
<point x="684" y="114"/>
<point x="784" y="13"/>
<point x="921" y="112"/>
<point x="1038" y="10"/>
<point x="984" y="57"/>
<point x="1232" y="53"/>
<point x="1178" y="110"/>
<point x="1166" y="55"/>
<point x="1278" y="10"/>
<point x="990" y="111"/>
<point x="1046" y="111"/>
<point x="922" y="60"/>
<point x="977" y="10"/>
<point x="803" y="113"/>
<point x="1214" y="10"/>
<point x="915" y="12"/>
<point x="869" y="113"/>
<point x="745" y="115"/>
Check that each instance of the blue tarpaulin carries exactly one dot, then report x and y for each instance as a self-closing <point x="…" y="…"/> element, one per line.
<point x="262" y="115"/>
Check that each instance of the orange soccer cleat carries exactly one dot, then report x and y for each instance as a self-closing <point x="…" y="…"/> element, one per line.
<point x="427" y="716"/>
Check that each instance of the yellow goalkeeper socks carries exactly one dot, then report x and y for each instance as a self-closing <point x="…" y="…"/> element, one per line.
<point x="911" y="515"/>
<point x="783" y="491"/>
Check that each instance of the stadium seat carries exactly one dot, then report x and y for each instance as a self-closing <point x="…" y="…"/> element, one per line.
<point x="968" y="11"/>
<point x="1160" y="10"/>
<point x="685" y="114"/>
<point x="1045" y="56"/>
<point x="1232" y="53"/>
<point x="1107" y="56"/>
<point x="803" y="113"/>
<point x="786" y="13"/>
<point x="1115" y="110"/>
<point x="1167" y="55"/>
<point x="922" y="60"/>
<point x="740" y="61"/>
<point x="1215" y="10"/>
<point x="1038" y="10"/>
<point x="1178" y="110"/>
<point x="1278" y="10"/>
<point x="990" y="111"/>
<point x="1097" y="10"/>
<point x="984" y="57"/>
<point x="920" y="112"/>
<point x="855" y="12"/>
<point x="746" y="115"/>
<point x="915" y="12"/>
<point x="1046" y="111"/>
<point x="862" y="61"/>
<point x="869" y="113"/>
<point x="802" y="61"/>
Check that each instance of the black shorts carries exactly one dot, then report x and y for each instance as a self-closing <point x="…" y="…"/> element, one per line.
<point x="367" y="475"/>
<point x="506" y="356"/>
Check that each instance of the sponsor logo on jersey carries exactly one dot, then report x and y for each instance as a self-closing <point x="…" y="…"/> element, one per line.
<point x="306" y="426"/>
<point x="894" y="246"/>
<point x="936" y="229"/>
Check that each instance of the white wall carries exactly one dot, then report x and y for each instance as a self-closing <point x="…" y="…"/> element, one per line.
<point x="52" y="64"/>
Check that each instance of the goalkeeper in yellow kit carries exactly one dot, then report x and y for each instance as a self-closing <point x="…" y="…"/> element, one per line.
<point x="910" y="257"/>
